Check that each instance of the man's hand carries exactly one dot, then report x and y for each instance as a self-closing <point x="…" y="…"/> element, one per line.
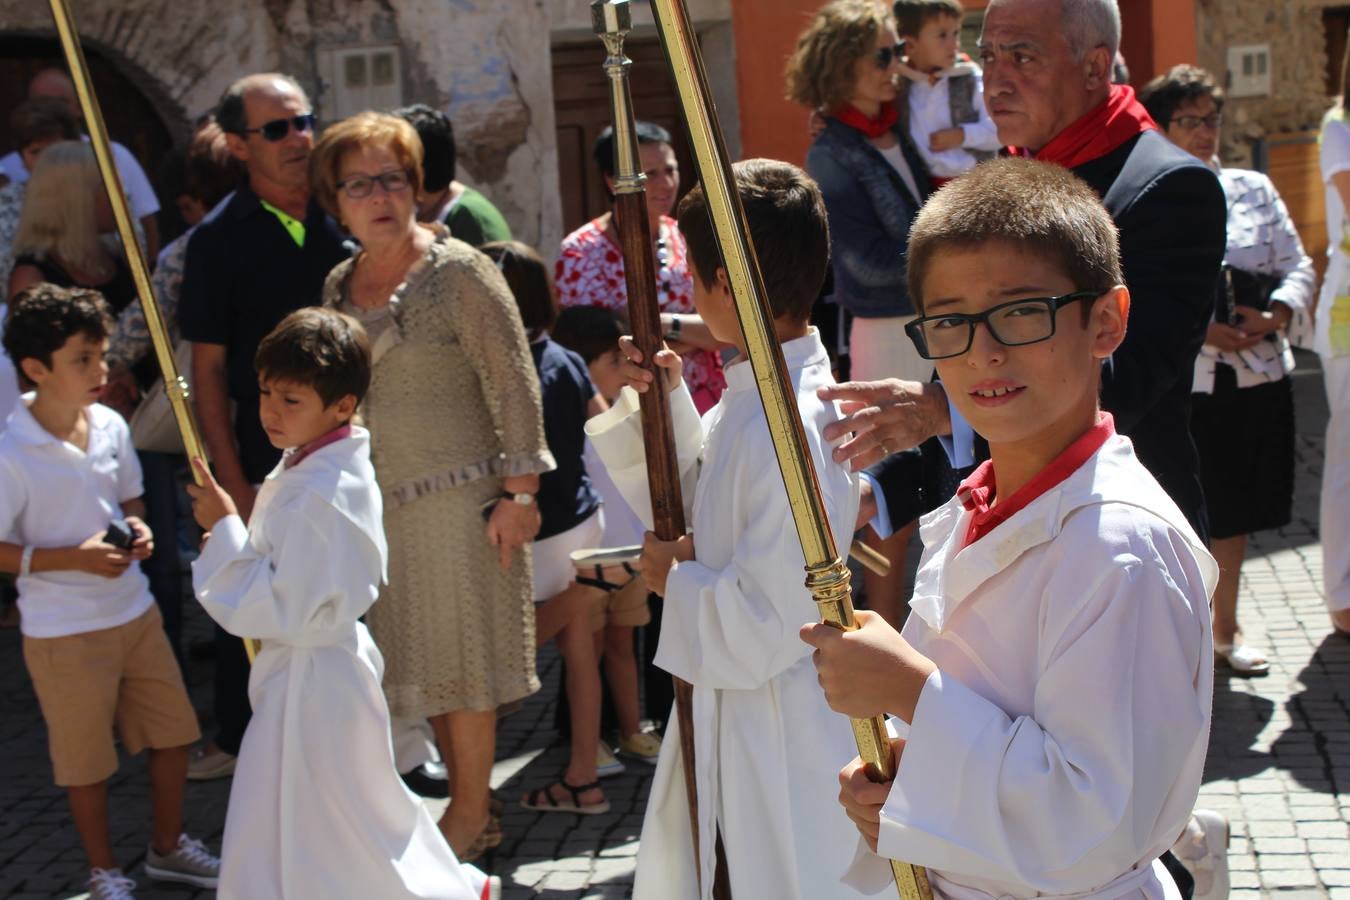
<point x="210" y="501"/>
<point x="659" y="557"/>
<point x="884" y="417"/>
<point x="863" y="798"/>
<point x="868" y="672"/>
<point x="639" y="379"/>
<point x="144" y="544"/>
<point x="510" y="526"/>
<point x="946" y="139"/>
<point x="98" y="557"/>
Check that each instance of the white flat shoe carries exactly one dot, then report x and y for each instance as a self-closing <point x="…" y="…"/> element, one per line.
<point x="1242" y="659"/>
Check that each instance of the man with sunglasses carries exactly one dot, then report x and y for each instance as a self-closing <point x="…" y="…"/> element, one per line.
<point x="262" y="256"/>
<point x="1047" y="78"/>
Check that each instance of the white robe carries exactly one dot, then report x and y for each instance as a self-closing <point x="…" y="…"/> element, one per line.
<point x="317" y="808"/>
<point x="1058" y="750"/>
<point x="767" y="747"/>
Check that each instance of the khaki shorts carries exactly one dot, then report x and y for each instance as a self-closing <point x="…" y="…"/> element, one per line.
<point x="625" y="607"/>
<point x="86" y="683"/>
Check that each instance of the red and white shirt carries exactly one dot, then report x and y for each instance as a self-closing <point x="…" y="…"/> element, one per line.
<point x="590" y="272"/>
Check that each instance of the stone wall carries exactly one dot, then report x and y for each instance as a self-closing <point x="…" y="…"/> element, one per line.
<point x="486" y="62"/>
<point x="1293" y="29"/>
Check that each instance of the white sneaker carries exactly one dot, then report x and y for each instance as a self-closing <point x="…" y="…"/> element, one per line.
<point x="204" y="766"/>
<point x="189" y="863"/>
<point x="110" y="884"/>
<point x="1203" y="850"/>
<point x="607" y="765"/>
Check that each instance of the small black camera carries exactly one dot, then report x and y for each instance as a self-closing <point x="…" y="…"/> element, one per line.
<point x="120" y="534"/>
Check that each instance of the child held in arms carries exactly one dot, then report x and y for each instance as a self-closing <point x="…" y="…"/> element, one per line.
<point x="317" y="808"/>
<point x="1053" y="683"/>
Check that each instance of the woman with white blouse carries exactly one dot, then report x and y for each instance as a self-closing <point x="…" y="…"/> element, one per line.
<point x="1243" y="404"/>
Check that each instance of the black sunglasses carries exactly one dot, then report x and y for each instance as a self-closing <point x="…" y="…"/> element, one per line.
<point x="884" y="55"/>
<point x="277" y="129"/>
<point x="1013" y="324"/>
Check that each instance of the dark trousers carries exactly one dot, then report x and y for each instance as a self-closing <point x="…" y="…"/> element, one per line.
<point x="231" y="692"/>
<point x="164" y="569"/>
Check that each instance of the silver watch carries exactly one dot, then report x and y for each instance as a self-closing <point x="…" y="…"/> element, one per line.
<point x="522" y="499"/>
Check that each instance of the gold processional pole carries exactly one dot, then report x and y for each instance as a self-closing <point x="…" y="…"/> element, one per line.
<point x="175" y="386"/>
<point x="826" y="575"/>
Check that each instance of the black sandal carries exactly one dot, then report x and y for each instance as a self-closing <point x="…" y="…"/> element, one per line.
<point x="604" y="584"/>
<point x="542" y="799"/>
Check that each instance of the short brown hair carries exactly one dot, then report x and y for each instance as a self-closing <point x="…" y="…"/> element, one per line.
<point x="362" y="130"/>
<point x="791" y="235"/>
<point x="210" y="170"/>
<point x="42" y="318"/>
<point x="1037" y="207"/>
<point x="819" y="72"/>
<point x="1180" y="84"/>
<point x="321" y="348"/>
<point x="912" y="15"/>
<point x="42" y="119"/>
<point x="527" y="275"/>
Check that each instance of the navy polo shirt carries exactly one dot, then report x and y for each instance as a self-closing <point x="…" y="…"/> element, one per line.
<point x="244" y="273"/>
<point x="566" y="497"/>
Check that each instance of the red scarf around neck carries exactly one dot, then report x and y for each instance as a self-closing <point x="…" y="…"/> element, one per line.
<point x="1101" y="130"/>
<point x="872" y="126"/>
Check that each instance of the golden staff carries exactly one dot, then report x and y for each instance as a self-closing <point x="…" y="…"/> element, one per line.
<point x="611" y="21"/>
<point x="175" y="387"/>
<point x="826" y="575"/>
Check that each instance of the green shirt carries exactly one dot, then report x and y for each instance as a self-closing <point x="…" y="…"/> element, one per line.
<point x="474" y="220"/>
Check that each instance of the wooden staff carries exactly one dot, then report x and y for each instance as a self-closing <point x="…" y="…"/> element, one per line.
<point x="175" y="387"/>
<point x="612" y="20"/>
<point x="826" y="574"/>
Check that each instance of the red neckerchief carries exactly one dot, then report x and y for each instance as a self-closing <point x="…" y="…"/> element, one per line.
<point x="1098" y="132"/>
<point x="978" y="491"/>
<point x="300" y="454"/>
<point x="872" y="126"/>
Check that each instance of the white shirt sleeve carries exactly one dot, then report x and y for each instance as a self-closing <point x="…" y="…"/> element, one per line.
<point x="1335" y="153"/>
<point x="140" y="194"/>
<point x="280" y="593"/>
<point x="130" y="483"/>
<point x="13" y="496"/>
<point x="982" y="134"/>
<point x="1070" y="795"/>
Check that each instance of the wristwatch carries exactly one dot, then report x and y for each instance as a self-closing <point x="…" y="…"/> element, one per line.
<point x="674" y="333"/>
<point x="521" y="499"/>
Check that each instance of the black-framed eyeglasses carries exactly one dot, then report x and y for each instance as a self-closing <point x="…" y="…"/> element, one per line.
<point x="884" y="55"/>
<point x="1013" y="324"/>
<point x="277" y="129"/>
<point x="1190" y="123"/>
<point x="361" y="186"/>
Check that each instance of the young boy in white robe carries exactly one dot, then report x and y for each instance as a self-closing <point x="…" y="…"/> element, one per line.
<point x="1053" y="682"/>
<point x="317" y="808"/>
<point x="767" y="748"/>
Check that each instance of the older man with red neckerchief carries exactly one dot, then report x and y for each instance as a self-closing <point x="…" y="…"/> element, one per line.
<point x="1047" y="84"/>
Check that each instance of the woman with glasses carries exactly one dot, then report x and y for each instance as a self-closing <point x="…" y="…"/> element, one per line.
<point x="847" y="65"/>
<point x="457" y="440"/>
<point x="1242" y="408"/>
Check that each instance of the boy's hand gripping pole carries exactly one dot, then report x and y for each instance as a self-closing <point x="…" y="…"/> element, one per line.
<point x="611" y="21"/>
<point x="175" y="387"/>
<point x="827" y="577"/>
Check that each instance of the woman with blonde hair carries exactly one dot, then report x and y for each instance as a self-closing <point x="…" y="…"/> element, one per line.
<point x="61" y="236"/>
<point x="457" y="439"/>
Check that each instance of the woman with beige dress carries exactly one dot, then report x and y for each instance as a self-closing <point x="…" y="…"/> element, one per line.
<point x="457" y="440"/>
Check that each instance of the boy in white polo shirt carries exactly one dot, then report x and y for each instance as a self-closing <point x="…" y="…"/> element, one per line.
<point x="92" y="637"/>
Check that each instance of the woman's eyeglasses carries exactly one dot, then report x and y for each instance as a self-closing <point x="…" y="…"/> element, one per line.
<point x="885" y="55"/>
<point x="1190" y="123"/>
<point x="1012" y="324"/>
<point x="277" y="129"/>
<point x="361" y="186"/>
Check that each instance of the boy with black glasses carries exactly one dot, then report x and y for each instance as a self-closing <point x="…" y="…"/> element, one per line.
<point x="1053" y="685"/>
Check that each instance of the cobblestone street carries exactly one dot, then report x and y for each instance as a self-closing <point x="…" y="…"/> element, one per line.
<point x="1279" y="763"/>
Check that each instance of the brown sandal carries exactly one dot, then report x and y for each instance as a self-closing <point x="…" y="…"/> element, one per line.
<point x="542" y="799"/>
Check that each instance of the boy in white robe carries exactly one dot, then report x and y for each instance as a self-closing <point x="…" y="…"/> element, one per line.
<point x="1054" y="680"/>
<point x="317" y="808"/>
<point x="766" y="746"/>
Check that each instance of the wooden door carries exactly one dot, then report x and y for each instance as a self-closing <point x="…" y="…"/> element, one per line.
<point x="582" y="109"/>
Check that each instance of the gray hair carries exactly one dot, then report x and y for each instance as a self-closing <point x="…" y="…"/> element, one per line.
<point x="1089" y="24"/>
